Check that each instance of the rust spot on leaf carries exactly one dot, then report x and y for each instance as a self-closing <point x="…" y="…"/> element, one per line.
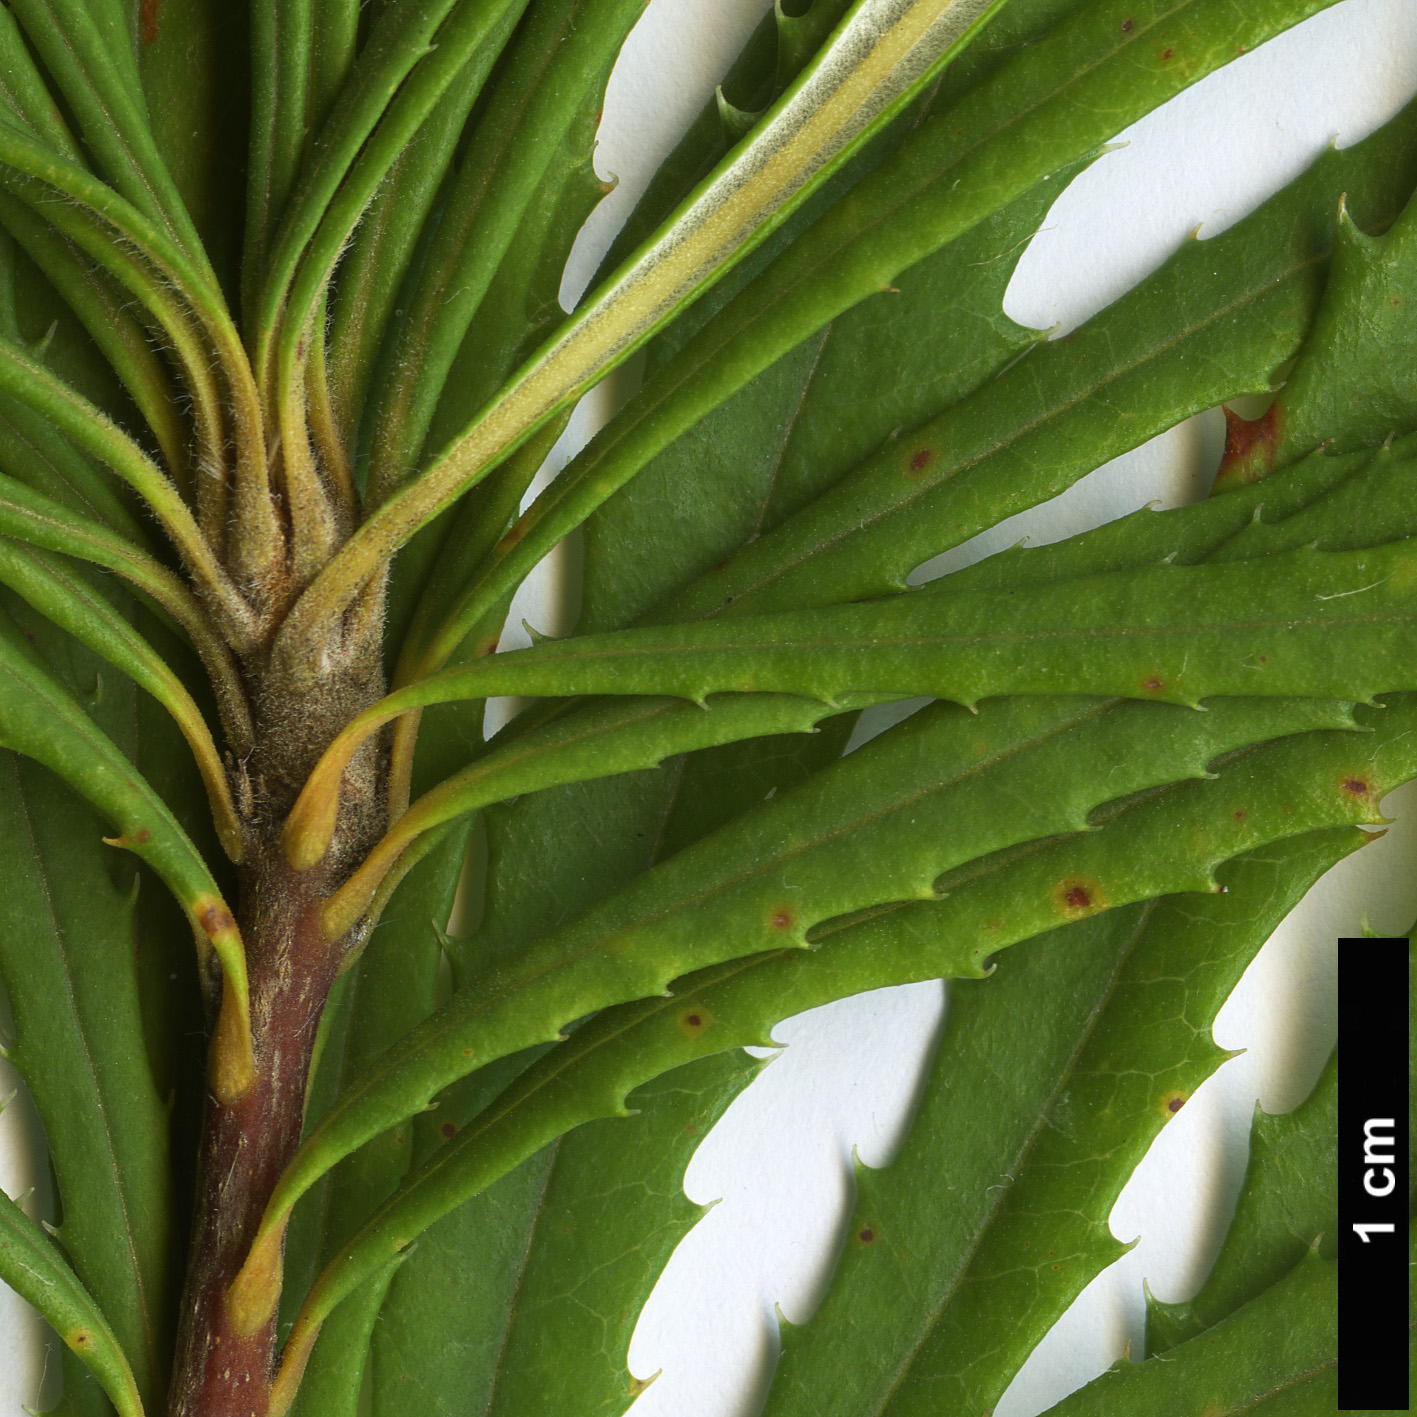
<point x="1249" y="448"/>
<point x="1128" y="25"/>
<point x="695" y="1021"/>
<point x="1238" y="814"/>
<point x="1153" y="683"/>
<point x="1167" y="53"/>
<point x="151" y="14"/>
<point x="723" y="564"/>
<point x="1076" y="896"/>
<point x="921" y="460"/>
<point x="783" y="918"/>
<point x="1361" y="788"/>
<point x="214" y="917"/>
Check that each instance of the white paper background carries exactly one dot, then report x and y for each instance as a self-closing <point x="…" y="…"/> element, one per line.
<point x="780" y="1162"/>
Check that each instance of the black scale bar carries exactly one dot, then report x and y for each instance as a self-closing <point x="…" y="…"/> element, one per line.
<point x="1372" y="1174"/>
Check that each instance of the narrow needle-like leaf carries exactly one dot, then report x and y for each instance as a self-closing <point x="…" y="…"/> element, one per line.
<point x="30" y="1263"/>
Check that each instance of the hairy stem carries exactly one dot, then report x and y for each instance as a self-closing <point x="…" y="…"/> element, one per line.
<point x="226" y="1345"/>
<point x="221" y="1371"/>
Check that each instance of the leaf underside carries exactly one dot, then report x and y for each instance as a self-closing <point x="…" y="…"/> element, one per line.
<point x="1146" y="742"/>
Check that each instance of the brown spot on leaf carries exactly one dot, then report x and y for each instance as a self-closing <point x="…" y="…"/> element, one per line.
<point x="448" y="1129"/>
<point x="1075" y="896"/>
<point x="695" y="1021"/>
<point x="1361" y="788"/>
<point x="1173" y="1102"/>
<point x="921" y="460"/>
<point x="1167" y="53"/>
<point x="1238" y="814"/>
<point x="1128" y="25"/>
<point x="1153" y="683"/>
<point x="151" y="15"/>
<point x="783" y="918"/>
<point x="214" y="917"/>
<point x="866" y="1235"/>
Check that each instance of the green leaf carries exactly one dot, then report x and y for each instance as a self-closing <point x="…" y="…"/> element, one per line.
<point x="391" y="988"/>
<point x="100" y="306"/>
<point x="609" y="1208"/>
<point x="32" y="1266"/>
<point x="1288" y="1204"/>
<point x="1352" y="386"/>
<point x="88" y="54"/>
<point x="1301" y="623"/>
<point x="1217" y="320"/>
<point x="742" y="467"/>
<point x="1276" y="1356"/>
<point x="192" y="61"/>
<point x="39" y="719"/>
<point x="1375" y="508"/>
<point x="881" y="825"/>
<point x="810" y="418"/>
<point x="417" y="49"/>
<point x="1054" y="1077"/>
<point x="739" y="1002"/>
<point x="558" y="62"/>
<point x="776" y="52"/>
<point x="54" y="590"/>
<point x="905" y="209"/>
<point x="876" y="63"/>
<point x="67" y="962"/>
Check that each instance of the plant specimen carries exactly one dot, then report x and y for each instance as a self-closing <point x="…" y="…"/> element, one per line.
<point x="265" y="445"/>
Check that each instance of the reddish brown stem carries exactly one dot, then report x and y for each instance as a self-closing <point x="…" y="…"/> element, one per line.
<point x="218" y="1372"/>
